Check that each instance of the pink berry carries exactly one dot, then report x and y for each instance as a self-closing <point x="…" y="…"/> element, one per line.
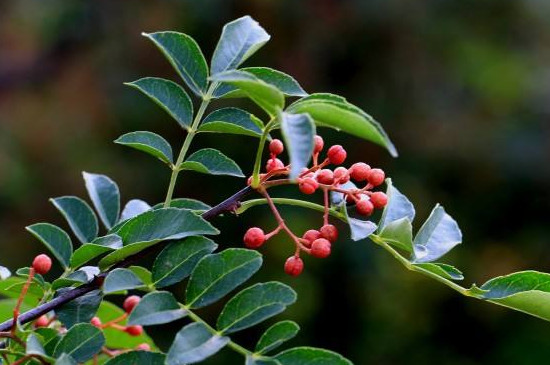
<point x="364" y="207"/>
<point x="318" y="144"/>
<point x="341" y="175"/>
<point x="320" y="248"/>
<point x="42" y="321"/>
<point x="359" y="171"/>
<point x="274" y="164"/>
<point x="325" y="176"/>
<point x="308" y="185"/>
<point x="311" y="235"/>
<point x="42" y="264"/>
<point x="96" y="322"/>
<point x="294" y="266"/>
<point x="379" y="199"/>
<point x="376" y="177"/>
<point x="254" y="237"/>
<point x="134" y="330"/>
<point x="336" y="154"/>
<point x="130" y="303"/>
<point x="143" y="347"/>
<point x="329" y="232"/>
<point x="276" y="147"/>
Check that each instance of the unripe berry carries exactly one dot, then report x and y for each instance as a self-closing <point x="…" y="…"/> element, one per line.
<point x="42" y="321"/>
<point x="341" y="175"/>
<point x="379" y="199"/>
<point x="337" y="154"/>
<point x="329" y="232"/>
<point x="130" y="303"/>
<point x="254" y="237"/>
<point x="325" y="176"/>
<point x="308" y="185"/>
<point x="276" y="147"/>
<point x="274" y="164"/>
<point x="294" y="266"/>
<point x="376" y="177"/>
<point x="364" y="207"/>
<point x="42" y="264"/>
<point x="359" y="171"/>
<point x="318" y="144"/>
<point x="134" y="330"/>
<point x="96" y="322"/>
<point x="143" y="347"/>
<point x="320" y="248"/>
<point x="310" y="236"/>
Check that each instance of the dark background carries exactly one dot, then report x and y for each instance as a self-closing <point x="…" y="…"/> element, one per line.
<point x="462" y="87"/>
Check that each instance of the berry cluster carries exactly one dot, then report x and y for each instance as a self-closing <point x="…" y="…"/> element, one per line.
<point x="317" y="242"/>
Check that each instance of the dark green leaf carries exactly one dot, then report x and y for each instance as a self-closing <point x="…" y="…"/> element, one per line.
<point x="55" y="239"/>
<point x="276" y="335"/>
<point x="105" y="196"/>
<point x="87" y="253"/>
<point x="239" y="40"/>
<point x="398" y="207"/>
<point x="254" y="305"/>
<point x="110" y="240"/>
<point x="79" y="215"/>
<point x="399" y="234"/>
<point x="437" y="236"/>
<point x="232" y="120"/>
<point x="65" y="359"/>
<point x="177" y="260"/>
<point x="298" y="131"/>
<point x="211" y="161"/>
<point x="169" y="96"/>
<point x="143" y="274"/>
<point x="121" y="279"/>
<point x="443" y="270"/>
<point x="133" y="208"/>
<point x="218" y="274"/>
<point x="81" y="342"/>
<point x="359" y="228"/>
<point x="260" y="360"/>
<point x="185" y="56"/>
<point x="194" y="343"/>
<point x="138" y="358"/>
<point x="310" y="355"/>
<point x="79" y="310"/>
<point x="185" y="203"/>
<point x="34" y="347"/>
<point x="148" y="142"/>
<point x="156" y="308"/>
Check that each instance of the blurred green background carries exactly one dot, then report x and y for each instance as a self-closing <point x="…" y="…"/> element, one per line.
<point x="462" y="87"/>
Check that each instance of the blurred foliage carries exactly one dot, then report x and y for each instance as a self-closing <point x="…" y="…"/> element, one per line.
<point x="461" y="86"/>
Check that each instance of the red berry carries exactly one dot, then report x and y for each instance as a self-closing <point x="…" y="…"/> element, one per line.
<point x="336" y="154"/>
<point x="42" y="264"/>
<point x="379" y="199"/>
<point x="42" y="321"/>
<point x="294" y="266"/>
<point x="364" y="207"/>
<point x="376" y="177"/>
<point x="311" y="235"/>
<point x="274" y="164"/>
<point x="329" y="232"/>
<point x="254" y="237"/>
<point x="318" y="144"/>
<point x="320" y="248"/>
<point x="325" y="176"/>
<point x="134" y="330"/>
<point x="96" y="322"/>
<point x="143" y="347"/>
<point x="308" y="185"/>
<point x="276" y="147"/>
<point x="341" y="175"/>
<point x="359" y="171"/>
<point x="130" y="303"/>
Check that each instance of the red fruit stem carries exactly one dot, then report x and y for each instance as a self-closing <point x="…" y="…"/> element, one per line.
<point x="20" y="300"/>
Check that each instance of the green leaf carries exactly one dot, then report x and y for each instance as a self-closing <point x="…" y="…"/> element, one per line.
<point x="239" y="40"/>
<point x="81" y="342"/>
<point x="398" y="207"/>
<point x="79" y="310"/>
<point x="79" y="215"/>
<point x="254" y="305"/>
<point x="213" y="162"/>
<point x="148" y="142"/>
<point x="255" y="360"/>
<point x="34" y="347"/>
<point x="4" y="273"/>
<point x="298" y="132"/>
<point x="399" y="234"/>
<point x="287" y="84"/>
<point x="121" y="279"/>
<point x="169" y="96"/>
<point x="185" y="203"/>
<point x="177" y="259"/>
<point x="133" y="208"/>
<point x="359" y="228"/>
<point x="443" y="270"/>
<point x="110" y="240"/>
<point x="218" y="274"/>
<point x="156" y="308"/>
<point x="65" y="359"/>
<point x="336" y="112"/>
<point x="11" y="288"/>
<point x="138" y="358"/>
<point x="311" y="355"/>
<point x="7" y="306"/>
<point x="194" y="343"/>
<point x="55" y="239"/>
<point x="232" y="120"/>
<point x="105" y="196"/>
<point x="437" y="236"/>
<point x="525" y="291"/>
<point x="154" y="226"/>
<point x="185" y="56"/>
<point x="276" y="335"/>
<point x="90" y="251"/>
<point x="143" y="274"/>
<point x="267" y="96"/>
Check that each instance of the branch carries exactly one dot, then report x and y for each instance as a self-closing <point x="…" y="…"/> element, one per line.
<point x="228" y="205"/>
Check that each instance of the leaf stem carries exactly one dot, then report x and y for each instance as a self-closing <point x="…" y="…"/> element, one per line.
<point x="259" y="153"/>
<point x="286" y="201"/>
